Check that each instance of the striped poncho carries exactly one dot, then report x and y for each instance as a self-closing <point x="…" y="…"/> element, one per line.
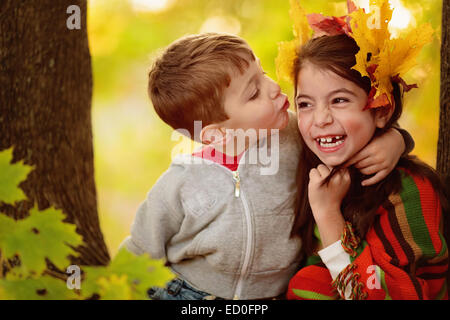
<point x="404" y="255"/>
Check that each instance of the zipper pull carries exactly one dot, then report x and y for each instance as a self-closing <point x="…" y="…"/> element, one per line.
<point x="237" y="184"/>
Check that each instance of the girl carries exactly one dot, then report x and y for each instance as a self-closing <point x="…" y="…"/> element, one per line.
<point x="379" y="242"/>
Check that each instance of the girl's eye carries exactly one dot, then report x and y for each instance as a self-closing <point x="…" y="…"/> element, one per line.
<point x="254" y="96"/>
<point x="303" y="105"/>
<point x="340" y="100"/>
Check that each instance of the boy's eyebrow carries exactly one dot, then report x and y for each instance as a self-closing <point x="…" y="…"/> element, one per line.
<point x="252" y="79"/>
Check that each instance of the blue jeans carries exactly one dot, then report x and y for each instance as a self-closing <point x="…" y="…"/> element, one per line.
<point x="178" y="289"/>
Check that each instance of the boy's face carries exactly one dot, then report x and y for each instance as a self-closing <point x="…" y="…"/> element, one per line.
<point x="254" y="101"/>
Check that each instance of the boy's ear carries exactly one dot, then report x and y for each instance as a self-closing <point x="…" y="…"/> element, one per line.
<point x="213" y="134"/>
<point x="383" y="115"/>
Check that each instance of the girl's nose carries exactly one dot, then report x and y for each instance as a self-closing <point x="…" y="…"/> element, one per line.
<point x="322" y="116"/>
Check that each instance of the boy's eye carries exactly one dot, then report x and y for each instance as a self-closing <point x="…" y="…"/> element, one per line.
<point x="255" y="95"/>
<point x="340" y="100"/>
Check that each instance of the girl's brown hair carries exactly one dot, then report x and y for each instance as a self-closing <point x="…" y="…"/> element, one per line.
<point x="337" y="53"/>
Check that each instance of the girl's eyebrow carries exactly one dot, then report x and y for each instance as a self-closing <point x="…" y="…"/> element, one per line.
<point x="303" y="96"/>
<point x="341" y="90"/>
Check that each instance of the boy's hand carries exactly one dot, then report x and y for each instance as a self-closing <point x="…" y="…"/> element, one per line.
<point x="325" y="201"/>
<point x="379" y="157"/>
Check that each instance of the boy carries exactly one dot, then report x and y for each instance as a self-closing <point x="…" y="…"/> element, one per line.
<point x="219" y="217"/>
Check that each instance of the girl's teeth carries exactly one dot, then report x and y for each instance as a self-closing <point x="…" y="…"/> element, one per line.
<point x="331" y="145"/>
<point x="327" y="142"/>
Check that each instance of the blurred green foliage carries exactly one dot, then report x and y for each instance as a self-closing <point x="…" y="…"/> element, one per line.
<point x="28" y="245"/>
<point x="133" y="147"/>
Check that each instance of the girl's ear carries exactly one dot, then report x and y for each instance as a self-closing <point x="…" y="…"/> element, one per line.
<point x="213" y="134"/>
<point x="383" y="115"/>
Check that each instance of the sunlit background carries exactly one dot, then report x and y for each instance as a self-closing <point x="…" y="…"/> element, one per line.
<point x="133" y="147"/>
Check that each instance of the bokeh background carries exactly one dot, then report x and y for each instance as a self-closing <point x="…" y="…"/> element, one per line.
<point x="133" y="147"/>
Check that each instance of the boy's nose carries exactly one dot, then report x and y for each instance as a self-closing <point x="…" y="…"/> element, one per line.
<point x="322" y="116"/>
<point x="275" y="89"/>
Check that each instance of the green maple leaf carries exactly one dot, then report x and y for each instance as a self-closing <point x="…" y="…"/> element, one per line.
<point x="42" y="288"/>
<point x="141" y="271"/>
<point x="11" y="175"/>
<point x="43" y="234"/>
<point x="114" y="288"/>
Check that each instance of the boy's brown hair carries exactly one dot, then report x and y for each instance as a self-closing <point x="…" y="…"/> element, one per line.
<point x="187" y="82"/>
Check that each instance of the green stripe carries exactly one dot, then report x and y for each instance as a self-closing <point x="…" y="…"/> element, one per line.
<point x="383" y="282"/>
<point x="311" y="295"/>
<point x="441" y="294"/>
<point x="413" y="208"/>
<point x="314" y="259"/>
<point x="362" y="245"/>
<point x="444" y="245"/>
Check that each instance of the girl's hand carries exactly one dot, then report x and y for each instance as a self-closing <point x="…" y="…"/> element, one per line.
<point x="325" y="201"/>
<point x="379" y="157"/>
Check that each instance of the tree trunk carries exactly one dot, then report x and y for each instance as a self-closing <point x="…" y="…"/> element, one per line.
<point x="45" y="113"/>
<point x="443" y="153"/>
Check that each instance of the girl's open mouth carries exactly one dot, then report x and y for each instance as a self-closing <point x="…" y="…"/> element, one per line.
<point x="330" y="143"/>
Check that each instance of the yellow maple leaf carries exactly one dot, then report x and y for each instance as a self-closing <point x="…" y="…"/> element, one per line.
<point x="287" y="53"/>
<point x="391" y="57"/>
<point x="288" y="50"/>
<point x="370" y="31"/>
<point x="302" y="30"/>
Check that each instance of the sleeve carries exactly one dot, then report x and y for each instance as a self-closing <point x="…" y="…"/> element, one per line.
<point x="404" y="255"/>
<point x="156" y="222"/>
<point x="409" y="141"/>
<point x="336" y="259"/>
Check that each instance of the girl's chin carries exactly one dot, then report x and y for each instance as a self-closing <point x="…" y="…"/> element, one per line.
<point x="333" y="160"/>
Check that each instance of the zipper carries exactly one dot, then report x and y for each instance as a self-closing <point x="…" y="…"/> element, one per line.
<point x="248" y="249"/>
<point x="237" y="183"/>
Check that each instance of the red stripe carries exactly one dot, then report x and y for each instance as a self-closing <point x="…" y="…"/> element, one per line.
<point x="390" y="236"/>
<point x="432" y="269"/>
<point x="311" y="278"/>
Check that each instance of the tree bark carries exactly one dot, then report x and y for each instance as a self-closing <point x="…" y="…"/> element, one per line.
<point x="45" y="114"/>
<point x="443" y="152"/>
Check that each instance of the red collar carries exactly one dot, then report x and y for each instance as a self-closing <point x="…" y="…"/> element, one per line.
<point x="209" y="153"/>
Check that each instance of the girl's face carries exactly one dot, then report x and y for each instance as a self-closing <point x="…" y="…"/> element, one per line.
<point x="330" y="115"/>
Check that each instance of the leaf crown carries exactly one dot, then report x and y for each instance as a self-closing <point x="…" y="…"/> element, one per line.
<point x="381" y="58"/>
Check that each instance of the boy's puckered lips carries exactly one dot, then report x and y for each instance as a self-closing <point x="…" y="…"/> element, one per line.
<point x="286" y="103"/>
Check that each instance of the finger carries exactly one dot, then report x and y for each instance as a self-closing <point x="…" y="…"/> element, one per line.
<point x="375" y="179"/>
<point x="341" y="176"/>
<point x="363" y="154"/>
<point x="344" y="172"/>
<point x="323" y="170"/>
<point x="314" y="174"/>
<point x="367" y="162"/>
<point x="372" y="169"/>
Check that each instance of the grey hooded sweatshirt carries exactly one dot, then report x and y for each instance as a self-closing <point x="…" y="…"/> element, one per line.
<point x="226" y="233"/>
